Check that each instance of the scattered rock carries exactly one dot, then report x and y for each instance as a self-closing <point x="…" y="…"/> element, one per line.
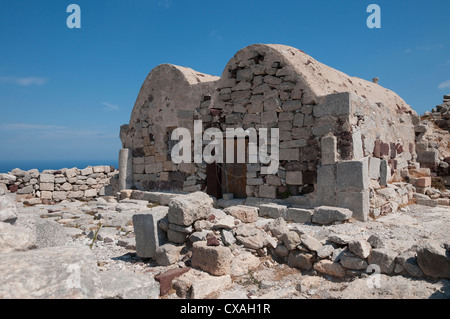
<point x="199" y="236"/>
<point x="360" y="248"/>
<point x="123" y="284"/>
<point x="184" y="210"/>
<point x="228" y="237"/>
<point x="310" y="242"/>
<point x="325" y="215"/>
<point x="215" y="260"/>
<point x="350" y="261"/>
<point x="375" y="241"/>
<point x="15" y="238"/>
<point x="301" y="260"/>
<point x="245" y="214"/>
<point x="325" y="251"/>
<point x="328" y="267"/>
<point x="202" y="288"/>
<point x="8" y="209"/>
<point x="433" y="260"/>
<point x="167" y="254"/>
<point x="291" y="240"/>
<point x="384" y="258"/>
<point x="212" y="240"/>
<point x="165" y="279"/>
<point x="277" y="227"/>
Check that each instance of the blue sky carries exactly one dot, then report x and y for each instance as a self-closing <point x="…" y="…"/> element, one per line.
<point x="65" y="92"/>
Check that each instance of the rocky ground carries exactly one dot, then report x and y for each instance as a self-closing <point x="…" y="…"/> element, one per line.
<point x="49" y="236"/>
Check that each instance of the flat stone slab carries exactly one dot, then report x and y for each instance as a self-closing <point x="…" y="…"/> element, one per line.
<point x="123" y="284"/>
<point x="50" y="273"/>
<point x="327" y="215"/>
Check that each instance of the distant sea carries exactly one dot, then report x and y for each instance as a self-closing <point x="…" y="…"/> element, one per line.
<point x="8" y="165"/>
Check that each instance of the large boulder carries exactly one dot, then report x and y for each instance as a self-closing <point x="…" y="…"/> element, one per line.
<point x="50" y="273"/>
<point x="434" y="260"/>
<point x="184" y="210"/>
<point x="15" y="238"/>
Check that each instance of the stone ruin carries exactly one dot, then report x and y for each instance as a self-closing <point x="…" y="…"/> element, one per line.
<point x="341" y="138"/>
<point x="349" y="150"/>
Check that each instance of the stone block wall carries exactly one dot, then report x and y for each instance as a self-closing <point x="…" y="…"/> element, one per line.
<point x="326" y="120"/>
<point x="64" y="184"/>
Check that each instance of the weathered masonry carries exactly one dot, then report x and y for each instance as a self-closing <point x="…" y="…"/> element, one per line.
<point x="339" y="135"/>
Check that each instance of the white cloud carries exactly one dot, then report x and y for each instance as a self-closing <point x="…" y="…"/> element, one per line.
<point x="23" y="81"/>
<point x="444" y="85"/>
<point x="430" y="47"/>
<point x="165" y="3"/>
<point x="215" y="34"/>
<point x="110" y="107"/>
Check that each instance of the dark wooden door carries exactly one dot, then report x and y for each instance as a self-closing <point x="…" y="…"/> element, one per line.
<point x="234" y="175"/>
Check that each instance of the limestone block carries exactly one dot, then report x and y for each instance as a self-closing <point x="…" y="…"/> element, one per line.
<point x="324" y="215"/>
<point x="357" y="202"/>
<point x="148" y="235"/>
<point x="428" y="157"/>
<point x="326" y="184"/>
<point x="335" y="104"/>
<point x="47" y="187"/>
<point x="60" y="196"/>
<point x="294" y="178"/>
<point x="374" y="168"/>
<point x="352" y="175"/>
<point x="86" y="171"/>
<point x="47" y="178"/>
<point x="90" y="193"/>
<point x="289" y="154"/>
<point x="154" y="168"/>
<point x="213" y="259"/>
<point x="273" y="211"/>
<point x="385" y="172"/>
<point x="299" y="215"/>
<point x="329" y="150"/>
<point x="358" y="151"/>
<point x="266" y="191"/>
<point x="184" y="210"/>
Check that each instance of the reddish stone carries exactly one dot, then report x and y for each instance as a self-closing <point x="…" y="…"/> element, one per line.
<point x="399" y="148"/>
<point x="384" y="149"/>
<point x="165" y="279"/>
<point x="215" y="112"/>
<point x="211" y="217"/>
<point x="13" y="188"/>
<point x="212" y="241"/>
<point x="447" y="160"/>
<point x="377" y="149"/>
<point x="424" y="182"/>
